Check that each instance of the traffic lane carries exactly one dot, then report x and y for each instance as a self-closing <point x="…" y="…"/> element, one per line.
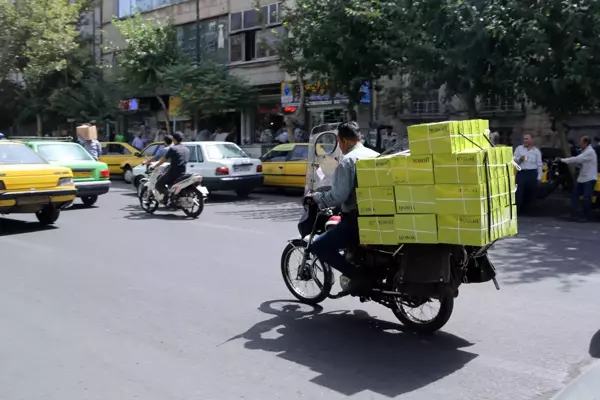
<point x="185" y="317"/>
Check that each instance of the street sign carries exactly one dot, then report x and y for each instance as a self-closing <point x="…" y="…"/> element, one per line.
<point x="287" y="95"/>
<point x="174" y="105"/>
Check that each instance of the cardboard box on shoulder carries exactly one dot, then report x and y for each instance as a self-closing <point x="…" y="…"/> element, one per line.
<point x="87" y="132"/>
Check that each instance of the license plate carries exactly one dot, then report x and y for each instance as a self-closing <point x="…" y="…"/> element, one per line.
<point x="33" y="200"/>
<point x="242" y="168"/>
<point x="82" y="174"/>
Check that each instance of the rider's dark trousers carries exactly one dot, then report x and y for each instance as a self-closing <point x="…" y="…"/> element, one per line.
<point x="166" y="180"/>
<point x="327" y="246"/>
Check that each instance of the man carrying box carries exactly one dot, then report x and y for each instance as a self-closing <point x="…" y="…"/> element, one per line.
<point x="328" y="245"/>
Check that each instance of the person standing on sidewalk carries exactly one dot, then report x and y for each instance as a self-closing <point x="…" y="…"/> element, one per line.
<point x="586" y="181"/>
<point x="529" y="159"/>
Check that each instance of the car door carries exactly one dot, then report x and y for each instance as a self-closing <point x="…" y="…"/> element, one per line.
<point x="196" y="164"/>
<point x="274" y="166"/>
<point x="294" y="170"/>
<point x="113" y="154"/>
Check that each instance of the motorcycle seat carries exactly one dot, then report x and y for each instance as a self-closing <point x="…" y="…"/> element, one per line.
<point x="182" y="178"/>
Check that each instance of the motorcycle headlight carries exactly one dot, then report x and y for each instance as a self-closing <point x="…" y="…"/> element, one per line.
<point x="65" y="182"/>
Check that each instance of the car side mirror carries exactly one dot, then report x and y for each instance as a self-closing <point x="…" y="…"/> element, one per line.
<point x="137" y="154"/>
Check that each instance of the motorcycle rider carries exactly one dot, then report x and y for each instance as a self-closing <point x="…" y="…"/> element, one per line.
<point x="162" y="152"/>
<point x="328" y="245"/>
<point x="177" y="156"/>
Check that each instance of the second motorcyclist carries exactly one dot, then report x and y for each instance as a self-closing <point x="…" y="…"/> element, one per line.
<point x="177" y="155"/>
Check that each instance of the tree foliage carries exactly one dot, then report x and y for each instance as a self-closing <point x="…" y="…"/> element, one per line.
<point x="347" y="42"/>
<point x="208" y="89"/>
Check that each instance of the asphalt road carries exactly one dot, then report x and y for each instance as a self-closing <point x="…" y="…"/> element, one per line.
<point x="115" y="305"/>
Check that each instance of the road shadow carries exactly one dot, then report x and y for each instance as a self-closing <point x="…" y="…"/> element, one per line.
<point x="561" y="250"/>
<point x="280" y="208"/>
<point x="353" y="352"/>
<point x="9" y="227"/>
<point x="135" y="212"/>
<point x="80" y="206"/>
<point x="595" y="345"/>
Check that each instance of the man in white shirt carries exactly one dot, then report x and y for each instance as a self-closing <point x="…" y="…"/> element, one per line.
<point x="586" y="181"/>
<point x="529" y="159"/>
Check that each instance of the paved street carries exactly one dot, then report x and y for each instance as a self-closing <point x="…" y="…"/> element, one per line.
<point x="113" y="304"/>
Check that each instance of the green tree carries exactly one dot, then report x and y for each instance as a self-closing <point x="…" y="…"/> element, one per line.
<point x="450" y="44"/>
<point x="347" y="42"/>
<point x="42" y="35"/>
<point x="150" y="48"/>
<point x="207" y="89"/>
<point x="556" y="53"/>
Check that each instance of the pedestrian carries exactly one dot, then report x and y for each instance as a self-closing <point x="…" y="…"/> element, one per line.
<point x="138" y="142"/>
<point x="529" y="158"/>
<point x="586" y="181"/>
<point x="219" y="135"/>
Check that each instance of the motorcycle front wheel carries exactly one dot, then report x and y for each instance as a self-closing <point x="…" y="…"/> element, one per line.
<point x="147" y="200"/>
<point x="191" y="202"/>
<point x="313" y="273"/>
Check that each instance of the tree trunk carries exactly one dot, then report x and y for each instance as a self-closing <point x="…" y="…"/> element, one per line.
<point x="166" y="112"/>
<point x="564" y="143"/>
<point x="39" y="124"/>
<point x="470" y="100"/>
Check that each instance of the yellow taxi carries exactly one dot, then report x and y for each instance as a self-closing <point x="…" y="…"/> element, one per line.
<point x="285" y="165"/>
<point x="29" y="184"/>
<point x="121" y="158"/>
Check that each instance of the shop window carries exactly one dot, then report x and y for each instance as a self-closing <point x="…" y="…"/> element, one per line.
<point x="269" y="123"/>
<point x="300" y="153"/>
<point x="248" y="39"/>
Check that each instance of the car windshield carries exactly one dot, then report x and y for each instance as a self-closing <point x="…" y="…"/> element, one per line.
<point x="220" y="151"/>
<point x="11" y="154"/>
<point x="63" y="152"/>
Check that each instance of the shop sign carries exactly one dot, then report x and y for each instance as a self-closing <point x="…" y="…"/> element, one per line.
<point x="174" y="104"/>
<point x="317" y="94"/>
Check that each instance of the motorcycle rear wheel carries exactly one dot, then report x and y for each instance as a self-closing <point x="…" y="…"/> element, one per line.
<point x="313" y="264"/>
<point x="147" y="200"/>
<point x="196" y="198"/>
<point x="425" y="325"/>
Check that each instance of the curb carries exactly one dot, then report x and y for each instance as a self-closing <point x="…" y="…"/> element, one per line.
<point x="585" y="387"/>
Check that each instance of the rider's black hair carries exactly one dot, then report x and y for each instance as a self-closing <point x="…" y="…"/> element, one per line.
<point x="168" y="140"/>
<point x="349" y="130"/>
<point x="178" y="137"/>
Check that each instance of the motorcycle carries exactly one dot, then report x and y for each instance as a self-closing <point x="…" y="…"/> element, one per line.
<point x="405" y="278"/>
<point x="186" y="193"/>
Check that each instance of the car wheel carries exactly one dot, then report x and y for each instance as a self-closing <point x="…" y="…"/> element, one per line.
<point x="128" y="174"/>
<point x="48" y="215"/>
<point x="89" y="201"/>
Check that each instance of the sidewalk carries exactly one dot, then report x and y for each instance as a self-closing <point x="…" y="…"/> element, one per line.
<point x="585" y="387"/>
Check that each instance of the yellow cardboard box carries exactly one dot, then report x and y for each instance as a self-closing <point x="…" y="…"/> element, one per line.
<point x="435" y="138"/>
<point x="461" y="199"/>
<point x="377" y="230"/>
<point x="465" y="167"/>
<point x="415" y="199"/>
<point x="376" y="200"/>
<point x="469" y="230"/>
<point x="372" y="172"/>
<point x="416" y="228"/>
<point x="407" y="169"/>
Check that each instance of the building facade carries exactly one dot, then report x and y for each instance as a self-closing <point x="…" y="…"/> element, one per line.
<point x="237" y="34"/>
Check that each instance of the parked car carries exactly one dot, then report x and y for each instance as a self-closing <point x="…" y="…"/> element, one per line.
<point x="223" y="166"/>
<point x="285" y="165"/>
<point x="30" y="184"/>
<point x="121" y="158"/>
<point x="91" y="177"/>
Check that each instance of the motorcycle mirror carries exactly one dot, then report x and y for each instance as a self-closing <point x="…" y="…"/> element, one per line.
<point x="326" y="144"/>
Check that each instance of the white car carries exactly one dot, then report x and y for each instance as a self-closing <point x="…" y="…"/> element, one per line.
<point x="223" y="166"/>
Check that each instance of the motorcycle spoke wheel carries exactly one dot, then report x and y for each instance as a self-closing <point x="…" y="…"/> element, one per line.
<point x="310" y="283"/>
<point x="147" y="200"/>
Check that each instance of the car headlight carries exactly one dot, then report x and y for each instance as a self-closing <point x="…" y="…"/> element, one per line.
<point x="65" y="182"/>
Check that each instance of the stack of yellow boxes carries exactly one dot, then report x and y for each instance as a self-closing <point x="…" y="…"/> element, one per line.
<point x="452" y="187"/>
